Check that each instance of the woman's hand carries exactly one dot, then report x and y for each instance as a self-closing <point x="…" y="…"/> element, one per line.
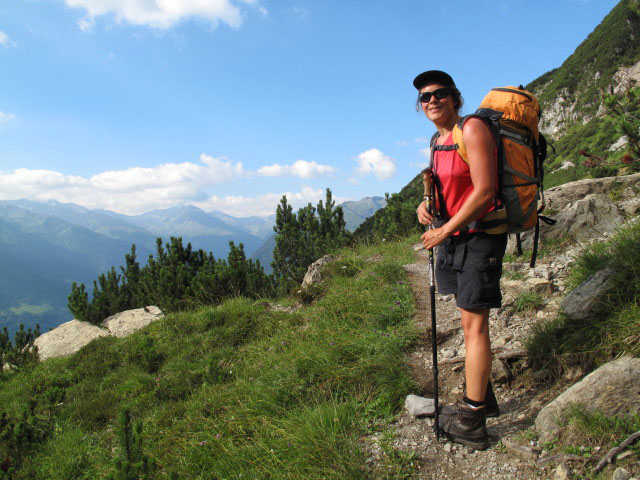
<point x="434" y="237"/>
<point x="423" y="216"/>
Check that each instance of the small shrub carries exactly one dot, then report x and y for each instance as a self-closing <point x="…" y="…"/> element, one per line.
<point x="528" y="301"/>
<point x="144" y="353"/>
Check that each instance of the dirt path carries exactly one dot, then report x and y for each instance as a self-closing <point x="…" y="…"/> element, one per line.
<point x="519" y="403"/>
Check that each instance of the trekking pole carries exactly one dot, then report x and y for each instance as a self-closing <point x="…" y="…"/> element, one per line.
<point x="427" y="180"/>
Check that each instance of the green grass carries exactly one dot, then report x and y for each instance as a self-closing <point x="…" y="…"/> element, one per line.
<point x="528" y="301"/>
<point x="591" y="434"/>
<point x="236" y="391"/>
<point x="561" y="342"/>
<point x="511" y="275"/>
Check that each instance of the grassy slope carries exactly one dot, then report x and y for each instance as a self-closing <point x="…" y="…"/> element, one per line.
<point x="237" y="391"/>
<point x="561" y="343"/>
<point x="613" y="330"/>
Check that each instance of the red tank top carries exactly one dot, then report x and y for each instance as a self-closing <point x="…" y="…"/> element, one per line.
<point x="453" y="177"/>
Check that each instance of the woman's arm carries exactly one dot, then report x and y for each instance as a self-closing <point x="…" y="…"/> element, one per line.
<point x="481" y="150"/>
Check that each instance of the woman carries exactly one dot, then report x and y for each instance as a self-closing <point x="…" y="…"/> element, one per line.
<point x="469" y="261"/>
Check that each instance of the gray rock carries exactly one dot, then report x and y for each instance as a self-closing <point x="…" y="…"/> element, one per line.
<point x="613" y="388"/>
<point x="419" y="406"/>
<point x="314" y="272"/>
<point x="586" y="300"/>
<point x="587" y="217"/>
<point x="528" y="454"/>
<point x="538" y="285"/>
<point x="125" y="323"/>
<point x="67" y="338"/>
<point x="558" y="198"/>
<point x="621" y="474"/>
<point x="498" y="373"/>
<point x="583" y="209"/>
<point x="631" y="206"/>
<point x="447" y="353"/>
<point x="562" y="472"/>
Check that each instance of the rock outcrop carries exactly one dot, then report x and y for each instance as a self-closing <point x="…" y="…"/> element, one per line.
<point x="66" y="339"/>
<point x="125" y="323"/>
<point x="314" y="272"/>
<point x="613" y="388"/>
<point x="71" y="336"/>
<point x="593" y="215"/>
<point x="590" y="208"/>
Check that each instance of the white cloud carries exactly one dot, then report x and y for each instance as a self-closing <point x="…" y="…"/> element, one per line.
<point x="375" y="162"/>
<point x="133" y="190"/>
<point x="5" y="41"/>
<point x="401" y="143"/>
<point x="262" y="205"/>
<point x="425" y="152"/>
<point x="421" y="140"/>
<point x="162" y="14"/>
<point x="136" y="190"/>
<point x="300" y="168"/>
<point x="298" y="13"/>
<point x="5" y="117"/>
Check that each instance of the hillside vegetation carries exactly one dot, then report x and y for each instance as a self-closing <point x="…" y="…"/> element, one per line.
<point x="235" y="391"/>
<point x="575" y="99"/>
<point x="589" y="70"/>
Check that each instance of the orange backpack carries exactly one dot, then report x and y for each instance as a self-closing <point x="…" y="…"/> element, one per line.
<point x="512" y="114"/>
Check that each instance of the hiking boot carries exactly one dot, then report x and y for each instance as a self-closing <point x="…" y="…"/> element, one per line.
<point x="467" y="426"/>
<point x="491" y="408"/>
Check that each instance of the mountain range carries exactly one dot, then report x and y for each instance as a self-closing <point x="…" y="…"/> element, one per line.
<point x="45" y="246"/>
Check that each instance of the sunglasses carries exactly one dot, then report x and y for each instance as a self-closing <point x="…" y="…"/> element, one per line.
<point x="440" y="94"/>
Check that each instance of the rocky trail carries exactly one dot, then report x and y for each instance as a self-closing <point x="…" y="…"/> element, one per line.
<point x="519" y="403"/>
<point x="514" y="451"/>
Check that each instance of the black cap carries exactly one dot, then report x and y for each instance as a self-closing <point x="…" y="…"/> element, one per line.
<point x="433" y="76"/>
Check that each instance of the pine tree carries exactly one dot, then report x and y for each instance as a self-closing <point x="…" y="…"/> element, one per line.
<point x="287" y="242"/>
<point x="133" y="463"/>
<point x="178" y="277"/>
<point x="304" y="237"/>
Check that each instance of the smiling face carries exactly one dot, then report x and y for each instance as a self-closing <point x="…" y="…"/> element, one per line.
<point x="441" y="112"/>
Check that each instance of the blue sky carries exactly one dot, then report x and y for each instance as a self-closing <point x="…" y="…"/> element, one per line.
<point x="133" y="105"/>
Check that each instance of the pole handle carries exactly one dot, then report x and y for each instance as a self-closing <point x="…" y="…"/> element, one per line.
<point x="427" y="181"/>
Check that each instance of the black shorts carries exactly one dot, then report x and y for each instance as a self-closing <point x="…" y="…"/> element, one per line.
<point x="470" y="267"/>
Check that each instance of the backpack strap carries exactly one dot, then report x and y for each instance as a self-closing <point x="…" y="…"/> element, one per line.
<point x="441" y="214"/>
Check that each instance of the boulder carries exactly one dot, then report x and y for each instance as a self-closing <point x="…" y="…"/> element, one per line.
<point x="587" y="299"/>
<point x="314" y="272"/>
<point x="67" y="338"/>
<point x="584" y="209"/>
<point x="614" y="388"/>
<point x="125" y="323"/>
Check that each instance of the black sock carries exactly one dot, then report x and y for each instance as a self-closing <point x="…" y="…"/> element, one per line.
<point x="472" y="403"/>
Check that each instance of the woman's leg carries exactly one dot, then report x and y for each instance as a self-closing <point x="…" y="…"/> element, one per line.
<point x="475" y="324"/>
